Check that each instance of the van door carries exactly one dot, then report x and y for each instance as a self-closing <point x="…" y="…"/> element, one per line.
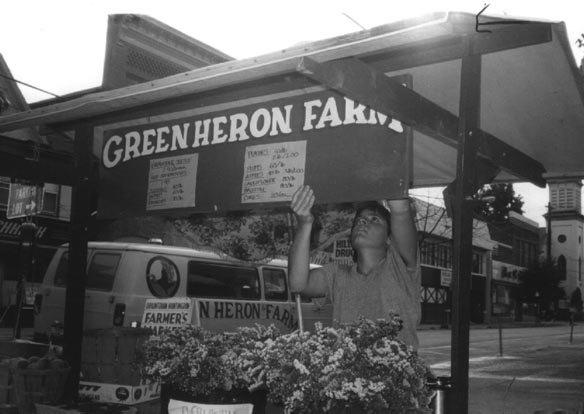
<point x="99" y="298"/>
<point x="52" y="303"/>
<point x="101" y="271"/>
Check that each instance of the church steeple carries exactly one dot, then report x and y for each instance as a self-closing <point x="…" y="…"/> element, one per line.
<point x="566" y="231"/>
<point x="565" y="196"/>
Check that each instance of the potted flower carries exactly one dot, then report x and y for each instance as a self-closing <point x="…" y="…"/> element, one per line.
<point x="359" y="367"/>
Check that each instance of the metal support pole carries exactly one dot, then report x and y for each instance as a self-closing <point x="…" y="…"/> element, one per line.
<point x="20" y="289"/>
<point x="469" y="109"/>
<point x="77" y="272"/>
<point x="500" y="335"/>
<point x="571" y="326"/>
<point x="299" y="312"/>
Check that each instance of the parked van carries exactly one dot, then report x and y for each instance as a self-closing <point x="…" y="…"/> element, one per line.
<point x="122" y="276"/>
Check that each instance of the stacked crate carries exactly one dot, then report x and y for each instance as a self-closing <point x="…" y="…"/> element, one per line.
<point x="109" y="355"/>
<point x="109" y="372"/>
<point x="7" y="403"/>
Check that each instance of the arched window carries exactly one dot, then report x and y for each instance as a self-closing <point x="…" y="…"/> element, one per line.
<point x="562" y="267"/>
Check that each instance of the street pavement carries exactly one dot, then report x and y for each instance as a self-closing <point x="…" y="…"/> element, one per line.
<point x="536" y="370"/>
<point x="531" y="370"/>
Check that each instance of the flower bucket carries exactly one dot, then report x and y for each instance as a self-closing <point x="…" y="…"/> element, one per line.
<point x="183" y="407"/>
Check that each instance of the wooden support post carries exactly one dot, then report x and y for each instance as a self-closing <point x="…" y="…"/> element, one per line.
<point x="77" y="272"/>
<point x="469" y="109"/>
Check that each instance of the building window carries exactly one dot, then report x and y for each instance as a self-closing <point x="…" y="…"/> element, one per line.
<point x="50" y="200"/>
<point x="562" y="267"/>
<point x="477" y="263"/>
<point x="436" y="254"/>
<point x="562" y="238"/>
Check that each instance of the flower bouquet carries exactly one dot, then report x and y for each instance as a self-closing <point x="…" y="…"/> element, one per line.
<point x="357" y="368"/>
<point x="202" y="366"/>
<point x="360" y="367"/>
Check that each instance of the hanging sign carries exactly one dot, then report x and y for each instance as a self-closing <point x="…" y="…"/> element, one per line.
<point x="445" y="278"/>
<point x="343" y="251"/>
<point x="24" y="200"/>
<point x="239" y="154"/>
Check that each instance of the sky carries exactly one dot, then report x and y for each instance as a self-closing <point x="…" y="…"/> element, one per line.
<point x="59" y="45"/>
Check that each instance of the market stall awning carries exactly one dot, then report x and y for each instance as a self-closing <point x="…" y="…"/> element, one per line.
<point x="487" y="98"/>
<point x="531" y="107"/>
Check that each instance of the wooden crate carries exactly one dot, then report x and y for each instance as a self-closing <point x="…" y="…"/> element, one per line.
<point x="38" y="386"/>
<point x="8" y="409"/>
<point x="6" y="387"/>
<point x="108" y="355"/>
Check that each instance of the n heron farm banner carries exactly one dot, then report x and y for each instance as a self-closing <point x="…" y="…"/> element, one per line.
<point x="251" y="153"/>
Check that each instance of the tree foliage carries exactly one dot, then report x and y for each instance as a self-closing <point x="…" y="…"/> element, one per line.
<point x="540" y="282"/>
<point x="576" y="300"/>
<point x="495" y="201"/>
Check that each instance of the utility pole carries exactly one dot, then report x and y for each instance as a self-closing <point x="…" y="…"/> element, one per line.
<point x="549" y="233"/>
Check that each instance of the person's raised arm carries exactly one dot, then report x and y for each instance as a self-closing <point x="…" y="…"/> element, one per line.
<point x="403" y="230"/>
<point x="302" y="280"/>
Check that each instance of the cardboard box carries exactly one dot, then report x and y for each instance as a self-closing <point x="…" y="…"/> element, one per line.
<point x="119" y="394"/>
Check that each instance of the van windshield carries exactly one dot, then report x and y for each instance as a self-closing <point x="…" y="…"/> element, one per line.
<point x="212" y="280"/>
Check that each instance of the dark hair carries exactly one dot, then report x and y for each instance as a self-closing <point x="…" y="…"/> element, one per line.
<point x="375" y="207"/>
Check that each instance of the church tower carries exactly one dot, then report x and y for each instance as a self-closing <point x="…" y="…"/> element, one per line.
<point x="566" y="227"/>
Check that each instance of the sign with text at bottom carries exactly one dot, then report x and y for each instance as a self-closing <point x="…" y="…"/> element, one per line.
<point x="183" y="407"/>
<point x="241" y="154"/>
<point x="220" y="315"/>
<point x="24" y="200"/>
<point x="167" y="313"/>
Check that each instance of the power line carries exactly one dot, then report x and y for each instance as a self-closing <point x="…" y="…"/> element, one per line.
<point x="28" y="85"/>
<point x="354" y="21"/>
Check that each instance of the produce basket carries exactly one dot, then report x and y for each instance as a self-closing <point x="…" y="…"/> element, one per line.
<point x="45" y="386"/>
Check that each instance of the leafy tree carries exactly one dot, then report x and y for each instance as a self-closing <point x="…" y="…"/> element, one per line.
<point x="576" y="300"/>
<point x="495" y="201"/>
<point x="539" y="283"/>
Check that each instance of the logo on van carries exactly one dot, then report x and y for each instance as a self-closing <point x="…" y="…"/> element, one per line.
<point x="163" y="277"/>
<point x="122" y="393"/>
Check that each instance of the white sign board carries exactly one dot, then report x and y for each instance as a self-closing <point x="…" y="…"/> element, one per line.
<point x="445" y="278"/>
<point x="273" y="172"/>
<point x="181" y="407"/>
<point x="167" y="313"/>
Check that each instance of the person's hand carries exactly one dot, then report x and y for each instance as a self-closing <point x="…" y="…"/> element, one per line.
<point x="302" y="202"/>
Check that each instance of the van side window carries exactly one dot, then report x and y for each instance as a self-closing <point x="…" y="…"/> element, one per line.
<point x="102" y="271"/>
<point x="222" y="281"/>
<point x="61" y="272"/>
<point x="275" y="287"/>
<point x="162" y="277"/>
